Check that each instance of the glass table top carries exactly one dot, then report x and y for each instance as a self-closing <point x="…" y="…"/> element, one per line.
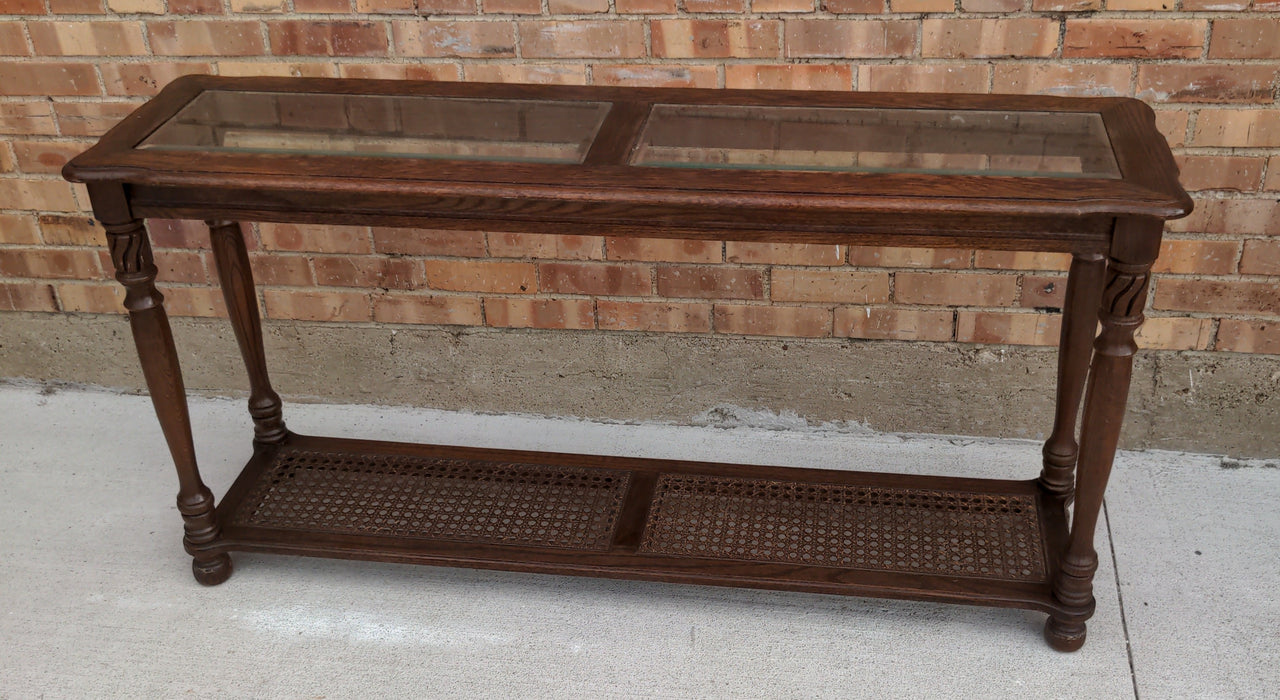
<point x="396" y="126"/>
<point x="739" y="137"/>
<point x="936" y="141"/>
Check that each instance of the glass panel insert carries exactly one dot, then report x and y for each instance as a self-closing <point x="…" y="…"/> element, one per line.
<point x="936" y="141"/>
<point x="396" y="126"/>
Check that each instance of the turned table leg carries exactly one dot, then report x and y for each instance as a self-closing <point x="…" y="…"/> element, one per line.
<point x="236" y="278"/>
<point x="1079" y="323"/>
<point x="1135" y="246"/>
<point x="135" y="269"/>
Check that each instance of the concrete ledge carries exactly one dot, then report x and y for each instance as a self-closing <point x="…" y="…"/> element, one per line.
<point x="1199" y="402"/>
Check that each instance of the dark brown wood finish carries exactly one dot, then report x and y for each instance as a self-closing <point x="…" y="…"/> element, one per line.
<point x="236" y="278"/>
<point x="807" y="530"/>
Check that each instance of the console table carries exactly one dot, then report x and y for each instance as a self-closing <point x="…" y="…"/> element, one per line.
<point x="1088" y="177"/>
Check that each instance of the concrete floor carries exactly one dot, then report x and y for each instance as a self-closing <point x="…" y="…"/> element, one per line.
<point x="98" y="599"/>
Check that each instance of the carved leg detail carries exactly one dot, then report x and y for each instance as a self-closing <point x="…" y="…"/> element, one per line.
<point x="131" y="255"/>
<point x="236" y="278"/>
<point x="1128" y="275"/>
<point x="1079" y="321"/>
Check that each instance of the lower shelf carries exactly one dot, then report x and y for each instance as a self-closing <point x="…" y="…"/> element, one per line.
<point x="979" y="541"/>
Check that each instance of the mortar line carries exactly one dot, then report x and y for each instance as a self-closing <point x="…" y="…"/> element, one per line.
<point x="1124" y="622"/>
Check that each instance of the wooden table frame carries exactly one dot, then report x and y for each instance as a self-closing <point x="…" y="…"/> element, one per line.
<point x="1111" y="227"/>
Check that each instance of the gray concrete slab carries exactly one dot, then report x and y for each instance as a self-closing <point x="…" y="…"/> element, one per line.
<point x="1197" y="541"/>
<point x="99" y="600"/>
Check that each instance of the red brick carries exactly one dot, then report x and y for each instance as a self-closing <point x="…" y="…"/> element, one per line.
<point x="762" y="6"/>
<point x="1260" y="257"/>
<point x="307" y="38"/>
<point x="25" y="296"/>
<point x="595" y="278"/>
<point x="804" y="76"/>
<point x="1043" y="292"/>
<point x="369" y="271"/>
<point x="1206" y="83"/>
<point x="663" y="250"/>
<point x="1216" y="296"/>
<point x="1169" y="333"/>
<point x="1021" y="260"/>
<point x="514" y="7"/>
<point x="574" y="7"/>
<point x="259" y="6"/>
<point x="76" y="7"/>
<point x="90" y="118"/>
<point x="842" y="286"/>
<point x="186" y="266"/>
<point x="1273" y="174"/>
<point x="927" y="78"/>
<point x="1172" y="123"/>
<point x="386" y="6"/>
<point x="1198" y="257"/>
<point x="146" y="78"/>
<point x="1000" y="6"/>
<point x="448" y="38"/>
<point x="27" y="118"/>
<point x="18" y="229"/>
<point x="639" y="7"/>
<point x="952" y="289"/>
<point x="177" y="233"/>
<point x="989" y="38"/>
<point x="876" y="256"/>
<point x="323" y="6"/>
<point x="542" y="74"/>
<point x="710" y="282"/>
<point x="545" y="245"/>
<point x="824" y="38"/>
<point x="24" y="7"/>
<point x="999" y="327"/>
<point x="1078" y="79"/>
<point x="56" y="263"/>
<point x="284" y="270"/>
<point x="48" y="79"/>
<point x="708" y="6"/>
<point x="87" y="38"/>
<point x="91" y="298"/>
<point x="7" y="162"/>
<point x="277" y="68"/>
<point x="443" y="7"/>
<point x="206" y="38"/>
<point x="410" y="241"/>
<point x="922" y="5"/>
<point x="58" y="229"/>
<point x="539" y="313"/>
<point x="714" y="38"/>
<point x="12" y="40"/>
<point x="1239" y="173"/>
<point x="784" y="253"/>
<point x="195" y="7"/>
<point x="323" y="239"/>
<point x="1253" y="128"/>
<point x="583" y="39"/>
<point x="1143" y="5"/>
<point x="45" y="156"/>
<point x="669" y="317"/>
<point x="482" y="276"/>
<point x="317" y="305"/>
<point x="432" y="310"/>
<point x="854" y="7"/>
<point x="37" y="195"/>
<point x="1245" y="38"/>
<point x="887" y="323"/>
<point x="1249" y="336"/>
<point x="1117" y="38"/>
<point x="1232" y="216"/>
<point x="654" y="75"/>
<point x="789" y="321"/>
<point x="401" y="71"/>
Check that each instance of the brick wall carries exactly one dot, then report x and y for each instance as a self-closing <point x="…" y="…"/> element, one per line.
<point x="70" y="68"/>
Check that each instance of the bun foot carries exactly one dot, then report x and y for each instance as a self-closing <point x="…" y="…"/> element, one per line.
<point x="1064" y="636"/>
<point x="211" y="572"/>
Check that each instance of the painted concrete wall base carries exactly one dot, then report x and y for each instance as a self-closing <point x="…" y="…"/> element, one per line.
<point x="1214" y="403"/>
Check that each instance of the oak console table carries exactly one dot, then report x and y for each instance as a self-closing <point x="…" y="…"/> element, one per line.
<point x="1089" y="177"/>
